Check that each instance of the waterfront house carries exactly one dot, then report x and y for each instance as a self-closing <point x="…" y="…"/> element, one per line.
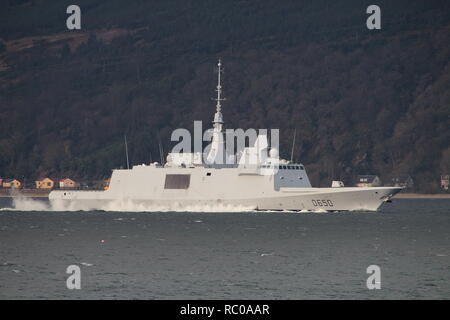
<point x="67" y="183"/>
<point x="11" y="184"/>
<point x="368" y="181"/>
<point x="100" y="184"/>
<point x="45" y="183"/>
<point x="445" y="181"/>
<point x="403" y="181"/>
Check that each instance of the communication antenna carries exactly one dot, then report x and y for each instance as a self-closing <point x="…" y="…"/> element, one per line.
<point x="126" y="152"/>
<point x="161" y="151"/>
<point x="219" y="87"/>
<point x="293" y="145"/>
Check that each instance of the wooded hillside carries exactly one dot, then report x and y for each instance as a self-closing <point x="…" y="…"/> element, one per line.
<point x="362" y="101"/>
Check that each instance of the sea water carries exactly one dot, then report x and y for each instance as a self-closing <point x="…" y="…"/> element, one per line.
<point x="225" y="255"/>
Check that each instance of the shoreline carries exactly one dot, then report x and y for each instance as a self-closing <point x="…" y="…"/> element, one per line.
<point x="25" y="193"/>
<point x="421" y="196"/>
<point x="44" y="194"/>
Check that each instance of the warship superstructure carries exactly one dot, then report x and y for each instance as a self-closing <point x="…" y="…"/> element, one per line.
<point x="258" y="180"/>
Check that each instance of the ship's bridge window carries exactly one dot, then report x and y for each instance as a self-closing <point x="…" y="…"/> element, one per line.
<point x="177" y="181"/>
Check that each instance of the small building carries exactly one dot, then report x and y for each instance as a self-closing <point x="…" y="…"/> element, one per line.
<point x="45" y="183"/>
<point x="368" y="181"/>
<point x="1" y="182"/>
<point x="11" y="184"/>
<point x="106" y="184"/>
<point x="67" y="183"/>
<point x="100" y="184"/>
<point x="445" y="181"/>
<point x="402" y="181"/>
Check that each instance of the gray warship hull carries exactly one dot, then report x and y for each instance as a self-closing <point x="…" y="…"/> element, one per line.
<point x="149" y="188"/>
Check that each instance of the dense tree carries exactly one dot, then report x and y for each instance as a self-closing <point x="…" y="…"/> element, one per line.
<point x="362" y="101"/>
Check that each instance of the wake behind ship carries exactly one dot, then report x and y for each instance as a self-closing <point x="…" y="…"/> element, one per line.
<point x="259" y="180"/>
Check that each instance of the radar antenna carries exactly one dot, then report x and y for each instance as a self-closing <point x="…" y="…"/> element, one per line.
<point x="126" y="152"/>
<point x="218" y="119"/>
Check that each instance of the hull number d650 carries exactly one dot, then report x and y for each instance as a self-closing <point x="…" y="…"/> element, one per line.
<point x="322" y="203"/>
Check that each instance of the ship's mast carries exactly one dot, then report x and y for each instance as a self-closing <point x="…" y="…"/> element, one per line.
<point x="218" y="119"/>
<point x="216" y="154"/>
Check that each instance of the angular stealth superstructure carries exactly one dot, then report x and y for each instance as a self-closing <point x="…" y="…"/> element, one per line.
<point x="258" y="181"/>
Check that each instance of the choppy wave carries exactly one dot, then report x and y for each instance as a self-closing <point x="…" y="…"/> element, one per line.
<point x="20" y="203"/>
<point x="29" y="204"/>
<point x="132" y="206"/>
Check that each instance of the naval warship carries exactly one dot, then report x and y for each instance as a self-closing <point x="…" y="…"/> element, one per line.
<point x="189" y="181"/>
